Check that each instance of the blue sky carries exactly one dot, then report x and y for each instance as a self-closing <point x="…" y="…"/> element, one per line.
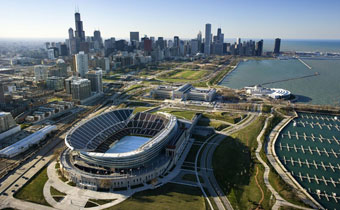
<point x="288" y="19"/>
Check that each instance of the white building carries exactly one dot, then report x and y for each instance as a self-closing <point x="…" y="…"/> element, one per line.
<point x="82" y="63"/>
<point x="40" y="72"/>
<point x="184" y="92"/>
<point x="26" y="143"/>
<point x="275" y="93"/>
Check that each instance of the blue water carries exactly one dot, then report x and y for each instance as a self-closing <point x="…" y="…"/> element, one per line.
<point x="128" y="144"/>
<point x="304" y="149"/>
<point x="323" y="89"/>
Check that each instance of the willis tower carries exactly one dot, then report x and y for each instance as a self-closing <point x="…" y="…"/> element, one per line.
<point x="79" y="33"/>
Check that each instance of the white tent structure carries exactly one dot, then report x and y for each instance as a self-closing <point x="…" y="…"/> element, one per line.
<point x="27" y="142"/>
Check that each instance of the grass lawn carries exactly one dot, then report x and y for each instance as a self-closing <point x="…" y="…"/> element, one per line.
<point x="141" y="109"/>
<point x="192" y="153"/>
<point x="266" y="108"/>
<point x="192" y="178"/>
<point x="56" y="192"/>
<point x="33" y="191"/>
<point x="169" y="196"/>
<point x="224" y="116"/>
<point x="217" y="125"/>
<point x="71" y="183"/>
<point x="184" y="75"/>
<point x="219" y="76"/>
<point x="184" y="114"/>
<point x="236" y="168"/>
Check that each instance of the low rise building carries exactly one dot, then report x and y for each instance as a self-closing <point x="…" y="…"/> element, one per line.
<point x="184" y="92"/>
<point x="55" y="83"/>
<point x="8" y="125"/>
<point x="275" y="93"/>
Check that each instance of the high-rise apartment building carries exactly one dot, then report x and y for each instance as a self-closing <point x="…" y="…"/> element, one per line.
<point x="95" y="78"/>
<point x="82" y="63"/>
<point x="55" y="83"/>
<point x="277" y="46"/>
<point x="80" y="88"/>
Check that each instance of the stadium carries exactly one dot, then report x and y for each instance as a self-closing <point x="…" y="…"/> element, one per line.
<point x="119" y="149"/>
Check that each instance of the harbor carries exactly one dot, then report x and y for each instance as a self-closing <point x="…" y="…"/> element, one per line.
<point x="309" y="148"/>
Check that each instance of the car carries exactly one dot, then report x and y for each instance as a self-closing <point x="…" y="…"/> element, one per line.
<point x="16" y="185"/>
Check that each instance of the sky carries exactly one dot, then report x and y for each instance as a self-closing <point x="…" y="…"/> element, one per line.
<point x="267" y="19"/>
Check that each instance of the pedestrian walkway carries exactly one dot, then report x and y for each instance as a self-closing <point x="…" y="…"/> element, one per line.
<point x="273" y="160"/>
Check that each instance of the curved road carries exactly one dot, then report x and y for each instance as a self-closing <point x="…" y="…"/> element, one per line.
<point x="207" y="173"/>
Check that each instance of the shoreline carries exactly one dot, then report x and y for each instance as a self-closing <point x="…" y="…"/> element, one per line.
<point x="238" y="63"/>
<point x="235" y="67"/>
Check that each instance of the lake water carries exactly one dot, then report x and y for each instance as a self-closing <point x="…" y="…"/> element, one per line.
<point x="309" y="151"/>
<point x="322" y="89"/>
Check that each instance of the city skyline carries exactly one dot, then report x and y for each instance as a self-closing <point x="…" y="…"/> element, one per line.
<point x="297" y="20"/>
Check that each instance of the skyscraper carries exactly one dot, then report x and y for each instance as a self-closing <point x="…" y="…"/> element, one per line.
<point x="220" y="36"/>
<point x="277" y="46"/>
<point x="82" y="63"/>
<point x="147" y="44"/>
<point x="134" y="36"/>
<point x="160" y="43"/>
<point x="259" y="48"/>
<point x="98" y="41"/>
<point x="72" y="42"/>
<point x="199" y="40"/>
<point x="176" y="41"/>
<point x="207" y="39"/>
<point x="194" y="46"/>
<point x="238" y="41"/>
<point x="79" y="33"/>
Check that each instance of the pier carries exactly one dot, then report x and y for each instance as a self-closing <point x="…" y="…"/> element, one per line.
<point x="308" y="66"/>
<point x="294" y="78"/>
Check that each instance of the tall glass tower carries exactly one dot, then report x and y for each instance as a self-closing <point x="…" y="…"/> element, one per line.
<point x="207" y="40"/>
<point x="79" y="33"/>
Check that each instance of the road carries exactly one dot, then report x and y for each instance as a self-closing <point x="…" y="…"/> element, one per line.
<point x="210" y="181"/>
